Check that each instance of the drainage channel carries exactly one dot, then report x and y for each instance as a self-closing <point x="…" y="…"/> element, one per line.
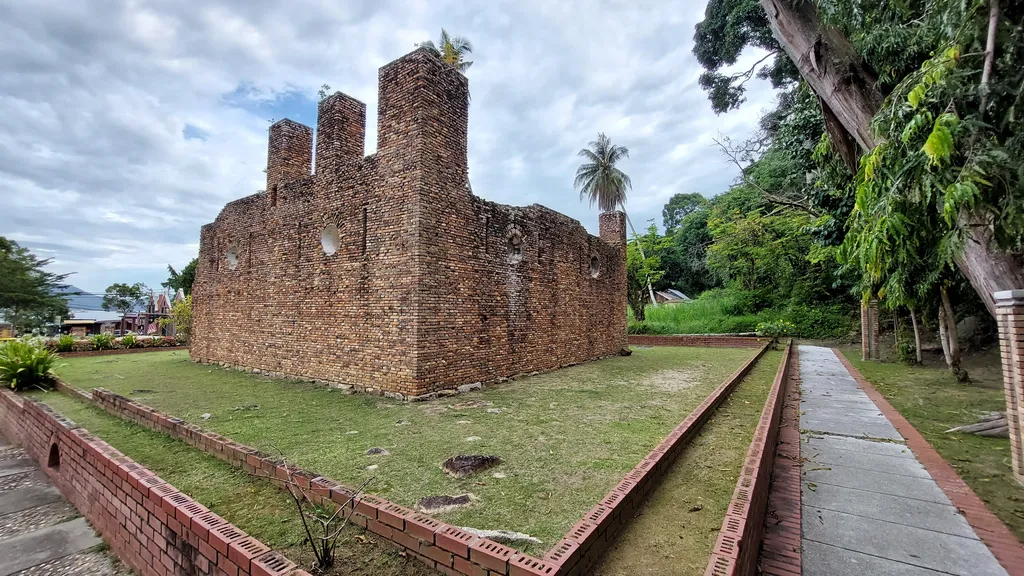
<point x="675" y="531"/>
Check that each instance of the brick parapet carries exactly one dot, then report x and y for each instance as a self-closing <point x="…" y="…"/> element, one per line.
<point x="1010" y="317"/>
<point x="88" y="353"/>
<point x="739" y="541"/>
<point x="439" y="545"/>
<point x="782" y="546"/>
<point x="146" y="522"/>
<point x="697" y="340"/>
<point x="1007" y="549"/>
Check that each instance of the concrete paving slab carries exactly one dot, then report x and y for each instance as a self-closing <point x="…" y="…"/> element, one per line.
<point x="28" y="497"/>
<point x="849" y="425"/>
<point x="824" y="454"/>
<point x="44" y="545"/>
<point x="814" y="442"/>
<point x="934" y="516"/>
<point x="824" y="560"/>
<point x="851" y="403"/>
<point x="873" y="481"/>
<point x="907" y="544"/>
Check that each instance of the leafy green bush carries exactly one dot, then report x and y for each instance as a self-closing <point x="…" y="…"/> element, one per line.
<point x="102" y="341"/>
<point x="634" y="327"/>
<point x="129" y="340"/>
<point x="26" y="363"/>
<point x="65" y="343"/>
<point x="777" y="329"/>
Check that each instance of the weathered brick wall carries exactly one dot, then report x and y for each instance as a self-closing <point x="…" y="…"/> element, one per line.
<point x="150" y="525"/>
<point x="386" y="272"/>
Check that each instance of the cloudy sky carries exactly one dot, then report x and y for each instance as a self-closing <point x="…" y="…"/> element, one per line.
<point x="128" y="124"/>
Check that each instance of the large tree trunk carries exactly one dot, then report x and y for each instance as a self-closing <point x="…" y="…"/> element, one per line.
<point x="988" y="268"/>
<point x="952" y="347"/>
<point x="917" y="335"/>
<point x="829" y="64"/>
<point x="847" y="91"/>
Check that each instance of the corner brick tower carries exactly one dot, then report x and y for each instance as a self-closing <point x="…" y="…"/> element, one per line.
<point x="384" y="272"/>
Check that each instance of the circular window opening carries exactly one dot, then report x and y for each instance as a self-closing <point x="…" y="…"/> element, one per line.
<point x="515" y="248"/>
<point x="595" y="266"/>
<point x="232" y="257"/>
<point x="330" y="239"/>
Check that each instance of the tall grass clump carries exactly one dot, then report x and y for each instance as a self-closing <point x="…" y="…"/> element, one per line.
<point x="26" y="363"/>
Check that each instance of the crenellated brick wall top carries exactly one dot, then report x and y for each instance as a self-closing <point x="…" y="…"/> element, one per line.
<point x="386" y="272"/>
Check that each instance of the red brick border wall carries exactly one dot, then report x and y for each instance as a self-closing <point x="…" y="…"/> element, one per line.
<point x="585" y="542"/>
<point x="782" y="545"/>
<point x="88" y="353"/>
<point x="1007" y="549"/>
<point x="150" y="525"/>
<point x="739" y="540"/>
<point x="439" y="545"/>
<point x="702" y="341"/>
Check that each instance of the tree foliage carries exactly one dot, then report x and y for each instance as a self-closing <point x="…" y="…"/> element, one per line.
<point x="452" y="50"/>
<point x="729" y="27"/>
<point x="29" y="295"/>
<point x="181" y="280"/>
<point x="680" y="206"/>
<point x="123" y="298"/>
<point x="599" y="179"/>
<point x="643" y="266"/>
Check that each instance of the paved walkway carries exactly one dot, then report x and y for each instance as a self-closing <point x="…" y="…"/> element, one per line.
<point x="869" y="507"/>
<point x="41" y="534"/>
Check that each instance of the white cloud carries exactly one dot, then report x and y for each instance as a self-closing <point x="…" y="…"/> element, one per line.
<point x="98" y="173"/>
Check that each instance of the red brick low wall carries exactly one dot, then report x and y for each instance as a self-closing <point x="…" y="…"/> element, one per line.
<point x="150" y="525"/>
<point x="739" y="540"/>
<point x="439" y="545"/>
<point x="697" y="340"/>
<point x="121" y="351"/>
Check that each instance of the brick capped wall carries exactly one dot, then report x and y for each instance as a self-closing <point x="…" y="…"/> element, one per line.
<point x="439" y="545"/>
<point x="148" y="524"/>
<point x="738" y="545"/>
<point x="698" y="340"/>
<point x="386" y="272"/>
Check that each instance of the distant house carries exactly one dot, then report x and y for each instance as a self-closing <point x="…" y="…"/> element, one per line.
<point x="89" y="322"/>
<point x="670" y="296"/>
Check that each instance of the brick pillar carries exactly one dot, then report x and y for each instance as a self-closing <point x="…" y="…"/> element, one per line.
<point x="865" y="332"/>
<point x="873" y="326"/>
<point x="1010" y="315"/>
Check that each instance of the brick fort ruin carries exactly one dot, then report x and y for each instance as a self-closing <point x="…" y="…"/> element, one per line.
<point x="385" y="272"/>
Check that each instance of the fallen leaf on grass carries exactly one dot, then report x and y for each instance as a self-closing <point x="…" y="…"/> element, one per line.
<point x="696" y="508"/>
<point x="360" y="538"/>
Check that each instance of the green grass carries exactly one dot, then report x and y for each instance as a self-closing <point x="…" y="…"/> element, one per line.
<point x="565" y="437"/>
<point x="252" y="504"/>
<point x="669" y="535"/>
<point x="730" y="311"/>
<point x="931" y="399"/>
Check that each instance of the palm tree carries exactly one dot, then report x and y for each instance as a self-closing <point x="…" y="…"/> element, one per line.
<point x="605" y="185"/>
<point x="451" y="49"/>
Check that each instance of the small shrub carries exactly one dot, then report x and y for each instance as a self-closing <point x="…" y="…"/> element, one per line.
<point x="129" y="340"/>
<point x="65" y="343"/>
<point x="905" y="349"/>
<point x="26" y="363"/>
<point x="777" y="329"/>
<point x="102" y="341"/>
<point x="634" y="327"/>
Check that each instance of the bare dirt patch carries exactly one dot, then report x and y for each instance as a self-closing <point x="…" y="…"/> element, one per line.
<point x="674" y="380"/>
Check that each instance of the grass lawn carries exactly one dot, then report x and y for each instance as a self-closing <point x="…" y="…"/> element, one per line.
<point x="252" y="504"/>
<point x="931" y="399"/>
<point x="565" y="437"/>
<point x="677" y="528"/>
